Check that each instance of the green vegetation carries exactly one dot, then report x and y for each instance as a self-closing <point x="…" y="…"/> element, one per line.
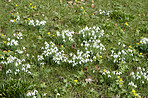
<point x="73" y="49"/>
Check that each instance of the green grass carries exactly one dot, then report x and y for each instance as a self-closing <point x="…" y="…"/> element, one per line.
<point x="59" y="78"/>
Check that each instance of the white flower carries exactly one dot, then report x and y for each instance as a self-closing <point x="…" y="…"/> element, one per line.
<point x="58" y="94"/>
<point x="28" y="94"/>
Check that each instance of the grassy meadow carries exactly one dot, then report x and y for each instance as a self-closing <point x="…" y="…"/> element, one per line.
<point x="73" y="48"/>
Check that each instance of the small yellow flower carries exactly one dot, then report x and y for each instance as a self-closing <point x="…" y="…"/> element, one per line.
<point x="133" y="50"/>
<point x="3" y="35"/>
<point x="76" y="81"/>
<point x="17" y="13"/>
<point x="75" y="0"/>
<point x="100" y="56"/>
<point x="137" y="43"/>
<point x="81" y="71"/>
<point x="4" y="42"/>
<point x="53" y="35"/>
<point x="118" y="77"/>
<point x="120" y="83"/>
<point x="121" y="30"/>
<point x="129" y="46"/>
<point x="0" y="54"/>
<point x="28" y="18"/>
<point x="139" y="97"/>
<point x="137" y="30"/>
<point x="61" y="45"/>
<point x="25" y="20"/>
<point x="52" y="43"/>
<point x="133" y="91"/>
<point x="48" y="33"/>
<point x="39" y="36"/>
<point x="107" y="34"/>
<point x="43" y="83"/>
<point x="8" y="50"/>
<point x="81" y="7"/>
<point x="30" y="3"/>
<point x="121" y="62"/>
<point x="140" y="42"/>
<point x="16" y="5"/>
<point x="141" y="37"/>
<point x="45" y="17"/>
<point x="104" y="70"/>
<point x="11" y="13"/>
<point x="32" y="7"/>
<point x="4" y="51"/>
<point x="140" y="53"/>
<point x="126" y="24"/>
<point x="135" y="94"/>
<point x="14" y="20"/>
<point x="93" y="14"/>
<point x="84" y="11"/>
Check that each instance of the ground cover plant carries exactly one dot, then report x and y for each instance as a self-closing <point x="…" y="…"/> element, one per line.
<point x="73" y="49"/>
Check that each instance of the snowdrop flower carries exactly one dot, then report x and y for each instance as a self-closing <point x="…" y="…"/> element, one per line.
<point x="8" y="71"/>
<point x="28" y="94"/>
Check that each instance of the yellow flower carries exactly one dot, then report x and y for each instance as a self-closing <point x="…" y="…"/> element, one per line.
<point x="14" y="20"/>
<point x="32" y="7"/>
<point x="52" y="43"/>
<point x="76" y="81"/>
<point x="25" y="20"/>
<point x="39" y="36"/>
<point x="84" y="11"/>
<point x="28" y="18"/>
<point x="53" y="35"/>
<point x="4" y="51"/>
<point x="140" y="53"/>
<point x="121" y="30"/>
<point x="126" y="24"/>
<point x="3" y="35"/>
<point x="137" y="30"/>
<point x="48" y="33"/>
<point x="104" y="70"/>
<point x="30" y="3"/>
<point x="17" y="13"/>
<point x="81" y="71"/>
<point x="100" y="56"/>
<point x="133" y="91"/>
<point x="121" y="62"/>
<point x="93" y="14"/>
<point x="120" y="83"/>
<point x="141" y="37"/>
<point x="137" y="43"/>
<point x="81" y="7"/>
<point x="129" y="46"/>
<point x="139" y="97"/>
<point x="107" y="34"/>
<point x="45" y="17"/>
<point x="4" y="42"/>
<point x="16" y="5"/>
<point x="118" y="77"/>
<point x="133" y="50"/>
<point x="140" y="42"/>
<point x="75" y="0"/>
<point x="61" y="45"/>
<point x="43" y="83"/>
<point x="11" y="13"/>
<point x="0" y="54"/>
<point x="8" y="50"/>
<point x="135" y="94"/>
